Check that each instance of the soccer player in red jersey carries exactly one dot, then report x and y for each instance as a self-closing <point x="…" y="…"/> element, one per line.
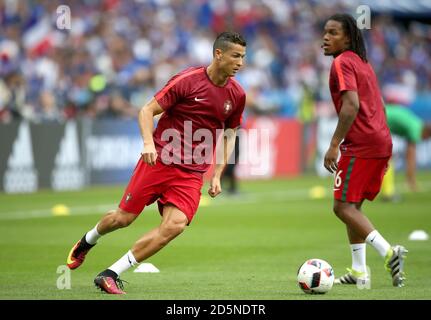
<point x="197" y="104"/>
<point x="364" y="139"/>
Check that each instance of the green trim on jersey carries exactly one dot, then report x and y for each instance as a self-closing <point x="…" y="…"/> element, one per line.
<point x="403" y="122"/>
<point x="347" y="179"/>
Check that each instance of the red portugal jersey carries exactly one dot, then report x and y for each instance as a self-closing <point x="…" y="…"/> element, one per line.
<point x="369" y="135"/>
<point x="196" y="111"/>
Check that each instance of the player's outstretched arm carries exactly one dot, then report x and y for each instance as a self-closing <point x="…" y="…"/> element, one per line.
<point x="146" y="125"/>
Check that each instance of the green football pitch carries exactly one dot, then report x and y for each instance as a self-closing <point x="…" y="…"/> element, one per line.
<point x="238" y="247"/>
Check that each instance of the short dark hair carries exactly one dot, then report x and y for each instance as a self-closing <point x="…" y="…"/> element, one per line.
<point x="223" y="39"/>
<point x="357" y="43"/>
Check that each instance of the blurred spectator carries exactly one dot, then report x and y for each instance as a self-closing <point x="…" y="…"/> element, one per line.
<point x="406" y="124"/>
<point x="49" y="111"/>
<point x="117" y="52"/>
<point x="13" y="98"/>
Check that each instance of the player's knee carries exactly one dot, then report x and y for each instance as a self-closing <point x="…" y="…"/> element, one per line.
<point x="338" y="210"/>
<point x="171" y="229"/>
<point x="341" y="210"/>
<point x="122" y="219"/>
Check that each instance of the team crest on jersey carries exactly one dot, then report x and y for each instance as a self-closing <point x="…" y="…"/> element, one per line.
<point x="128" y="197"/>
<point x="227" y="106"/>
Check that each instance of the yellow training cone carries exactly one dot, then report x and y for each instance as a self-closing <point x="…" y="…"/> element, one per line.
<point x="317" y="192"/>
<point x="205" y="201"/>
<point x="60" y="210"/>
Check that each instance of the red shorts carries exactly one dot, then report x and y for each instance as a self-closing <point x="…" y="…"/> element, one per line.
<point x="359" y="178"/>
<point x="167" y="184"/>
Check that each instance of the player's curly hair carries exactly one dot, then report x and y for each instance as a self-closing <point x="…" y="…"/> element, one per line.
<point x="357" y="43"/>
<point x="223" y="39"/>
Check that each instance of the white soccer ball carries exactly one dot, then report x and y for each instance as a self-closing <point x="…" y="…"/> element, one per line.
<point x="315" y="276"/>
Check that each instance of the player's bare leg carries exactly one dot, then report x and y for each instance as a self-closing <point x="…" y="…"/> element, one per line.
<point x="354" y="219"/>
<point x="360" y="227"/>
<point x="358" y="251"/>
<point x="113" y="220"/>
<point x="354" y="238"/>
<point x="411" y="166"/>
<point x="173" y="224"/>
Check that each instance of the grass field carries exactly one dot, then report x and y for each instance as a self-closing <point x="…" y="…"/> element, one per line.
<point x="243" y="247"/>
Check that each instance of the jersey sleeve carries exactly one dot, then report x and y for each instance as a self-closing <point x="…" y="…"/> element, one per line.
<point x="235" y="118"/>
<point x="345" y="74"/>
<point x="172" y="92"/>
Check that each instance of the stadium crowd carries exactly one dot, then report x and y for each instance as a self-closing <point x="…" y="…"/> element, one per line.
<point x="117" y="53"/>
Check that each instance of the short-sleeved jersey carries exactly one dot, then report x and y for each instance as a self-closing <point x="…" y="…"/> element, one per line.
<point x="196" y="111"/>
<point x="404" y="123"/>
<point x="369" y="135"/>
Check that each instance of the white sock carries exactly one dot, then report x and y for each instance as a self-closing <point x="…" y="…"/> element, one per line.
<point x="127" y="261"/>
<point x="379" y="243"/>
<point x="92" y="236"/>
<point x="359" y="257"/>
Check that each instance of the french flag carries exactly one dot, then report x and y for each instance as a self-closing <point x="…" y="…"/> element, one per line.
<point x="39" y="38"/>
